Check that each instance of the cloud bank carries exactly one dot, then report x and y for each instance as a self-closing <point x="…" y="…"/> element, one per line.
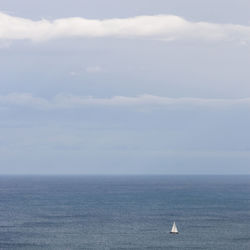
<point x="62" y="101"/>
<point x="163" y="27"/>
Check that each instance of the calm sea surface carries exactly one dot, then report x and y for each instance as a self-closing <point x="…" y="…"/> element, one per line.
<point x="124" y="212"/>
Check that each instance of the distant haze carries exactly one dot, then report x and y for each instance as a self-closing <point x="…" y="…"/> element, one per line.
<point x="124" y="87"/>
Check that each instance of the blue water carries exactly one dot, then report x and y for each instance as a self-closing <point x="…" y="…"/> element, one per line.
<point x="124" y="212"/>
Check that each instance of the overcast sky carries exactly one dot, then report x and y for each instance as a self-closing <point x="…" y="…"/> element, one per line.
<point x="124" y="87"/>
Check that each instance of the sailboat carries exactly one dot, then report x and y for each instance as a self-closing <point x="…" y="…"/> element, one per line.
<point x="174" y="229"/>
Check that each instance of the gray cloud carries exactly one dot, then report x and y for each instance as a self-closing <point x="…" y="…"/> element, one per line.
<point x="62" y="101"/>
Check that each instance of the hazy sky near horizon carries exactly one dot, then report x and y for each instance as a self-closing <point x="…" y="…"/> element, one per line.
<point x="124" y="87"/>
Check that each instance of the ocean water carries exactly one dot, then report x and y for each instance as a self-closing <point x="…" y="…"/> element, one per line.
<point x="130" y="212"/>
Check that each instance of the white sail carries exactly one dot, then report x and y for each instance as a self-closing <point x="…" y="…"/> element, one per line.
<point x="174" y="229"/>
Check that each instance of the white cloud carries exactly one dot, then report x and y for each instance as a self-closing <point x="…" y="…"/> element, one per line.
<point x="164" y="27"/>
<point x="73" y="73"/>
<point x="89" y="69"/>
<point x="94" y="69"/>
<point x="62" y="101"/>
<point x="23" y="99"/>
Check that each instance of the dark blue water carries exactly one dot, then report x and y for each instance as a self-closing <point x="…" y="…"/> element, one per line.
<point x="124" y="212"/>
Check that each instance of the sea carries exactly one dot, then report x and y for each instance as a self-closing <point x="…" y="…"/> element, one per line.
<point x="124" y="212"/>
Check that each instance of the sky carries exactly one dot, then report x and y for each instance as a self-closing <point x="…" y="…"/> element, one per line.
<point x="124" y="87"/>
